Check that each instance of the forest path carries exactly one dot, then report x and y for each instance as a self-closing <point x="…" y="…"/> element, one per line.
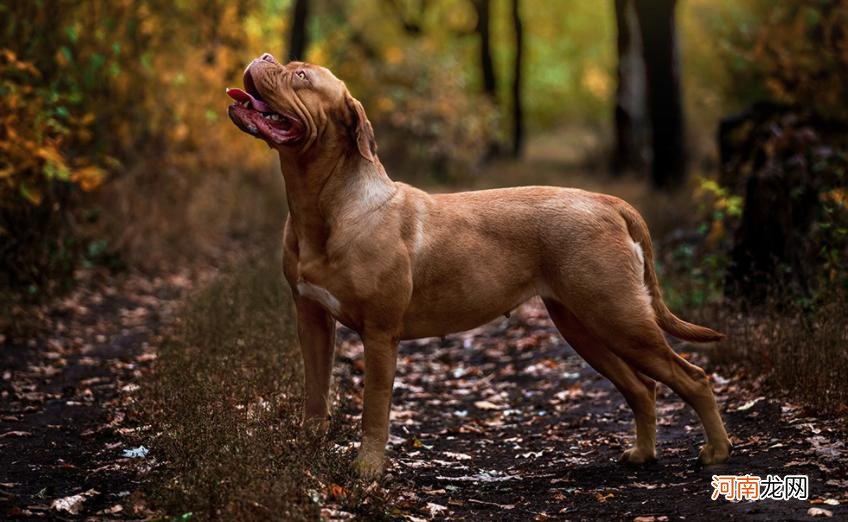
<point x="507" y="422"/>
<point x="65" y="401"/>
<point x="504" y="422"/>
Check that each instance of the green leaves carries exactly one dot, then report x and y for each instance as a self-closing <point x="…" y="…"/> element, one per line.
<point x="66" y="54"/>
<point x="57" y="170"/>
<point x="72" y="32"/>
<point x="30" y="193"/>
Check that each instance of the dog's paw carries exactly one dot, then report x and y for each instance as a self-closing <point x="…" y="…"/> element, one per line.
<point x="637" y="456"/>
<point x="712" y="453"/>
<point x="369" y="466"/>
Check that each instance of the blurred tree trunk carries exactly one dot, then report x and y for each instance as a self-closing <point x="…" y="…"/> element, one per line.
<point x="487" y="67"/>
<point x="659" y="49"/>
<point x="211" y="24"/>
<point x="517" y="109"/>
<point x="411" y="24"/>
<point x="773" y="156"/>
<point x="299" y="37"/>
<point x="630" y="92"/>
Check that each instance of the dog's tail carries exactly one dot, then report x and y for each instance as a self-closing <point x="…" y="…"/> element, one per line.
<point x="665" y="318"/>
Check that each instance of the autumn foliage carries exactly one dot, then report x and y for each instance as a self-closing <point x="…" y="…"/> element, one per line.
<point x="796" y="54"/>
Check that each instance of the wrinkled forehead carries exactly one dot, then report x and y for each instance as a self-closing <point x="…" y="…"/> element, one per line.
<point x="319" y="77"/>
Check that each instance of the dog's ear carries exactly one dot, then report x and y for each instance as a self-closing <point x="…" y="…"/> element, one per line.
<point x="360" y="128"/>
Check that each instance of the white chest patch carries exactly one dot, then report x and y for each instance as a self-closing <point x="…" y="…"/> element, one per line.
<point x="373" y="192"/>
<point x="320" y="295"/>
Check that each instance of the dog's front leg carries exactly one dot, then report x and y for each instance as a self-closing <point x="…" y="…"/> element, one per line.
<point x="316" y="332"/>
<point x="380" y="365"/>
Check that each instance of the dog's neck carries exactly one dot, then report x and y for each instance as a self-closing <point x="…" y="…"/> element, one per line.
<point x="323" y="193"/>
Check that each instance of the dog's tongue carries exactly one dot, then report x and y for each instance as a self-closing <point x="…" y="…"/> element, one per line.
<point x="242" y="96"/>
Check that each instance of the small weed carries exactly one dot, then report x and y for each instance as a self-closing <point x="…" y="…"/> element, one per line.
<point x="801" y="350"/>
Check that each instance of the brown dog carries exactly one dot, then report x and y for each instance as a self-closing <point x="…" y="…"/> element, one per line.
<point x="393" y="262"/>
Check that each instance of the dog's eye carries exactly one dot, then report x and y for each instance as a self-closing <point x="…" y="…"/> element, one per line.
<point x="300" y="74"/>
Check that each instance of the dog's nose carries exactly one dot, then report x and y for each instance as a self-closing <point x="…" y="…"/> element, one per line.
<point x="268" y="58"/>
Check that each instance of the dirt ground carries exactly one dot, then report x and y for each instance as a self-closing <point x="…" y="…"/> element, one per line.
<point x="508" y="423"/>
<point x="504" y="423"/>
<point x="65" y="397"/>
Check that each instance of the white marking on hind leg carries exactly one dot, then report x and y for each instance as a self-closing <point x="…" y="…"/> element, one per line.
<point x="640" y="269"/>
<point x="418" y="238"/>
<point x="640" y="255"/>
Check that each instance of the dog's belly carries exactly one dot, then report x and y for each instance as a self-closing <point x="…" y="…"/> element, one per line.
<point x="474" y="260"/>
<point x="456" y="306"/>
<point x="438" y="320"/>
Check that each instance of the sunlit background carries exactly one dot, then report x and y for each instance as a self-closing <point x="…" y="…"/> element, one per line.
<point x="116" y="149"/>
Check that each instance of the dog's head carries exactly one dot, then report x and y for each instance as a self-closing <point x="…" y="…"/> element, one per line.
<point x="300" y="108"/>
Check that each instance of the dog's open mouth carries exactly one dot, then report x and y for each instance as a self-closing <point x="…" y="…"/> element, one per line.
<point x="252" y="115"/>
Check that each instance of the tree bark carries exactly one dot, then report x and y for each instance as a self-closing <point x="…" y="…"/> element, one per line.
<point x="665" y="107"/>
<point x="299" y="37"/>
<point x="630" y="93"/>
<point x="517" y="108"/>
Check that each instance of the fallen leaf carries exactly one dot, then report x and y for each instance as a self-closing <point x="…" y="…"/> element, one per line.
<point x="530" y="454"/>
<point x="601" y="497"/>
<point x="336" y="491"/>
<point x="456" y="456"/>
<point x="828" y="501"/>
<point x="501" y="506"/>
<point x="135" y="453"/>
<point x="130" y="388"/>
<point x="15" y="434"/>
<point x="117" y="508"/>
<point x="750" y="404"/>
<point x="73" y="503"/>
<point x="483" y="476"/>
<point x="643" y="485"/>
<point x="819" y="512"/>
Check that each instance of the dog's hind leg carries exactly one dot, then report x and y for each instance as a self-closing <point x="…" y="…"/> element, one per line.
<point x="639" y="391"/>
<point x="631" y="332"/>
<point x="607" y="294"/>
